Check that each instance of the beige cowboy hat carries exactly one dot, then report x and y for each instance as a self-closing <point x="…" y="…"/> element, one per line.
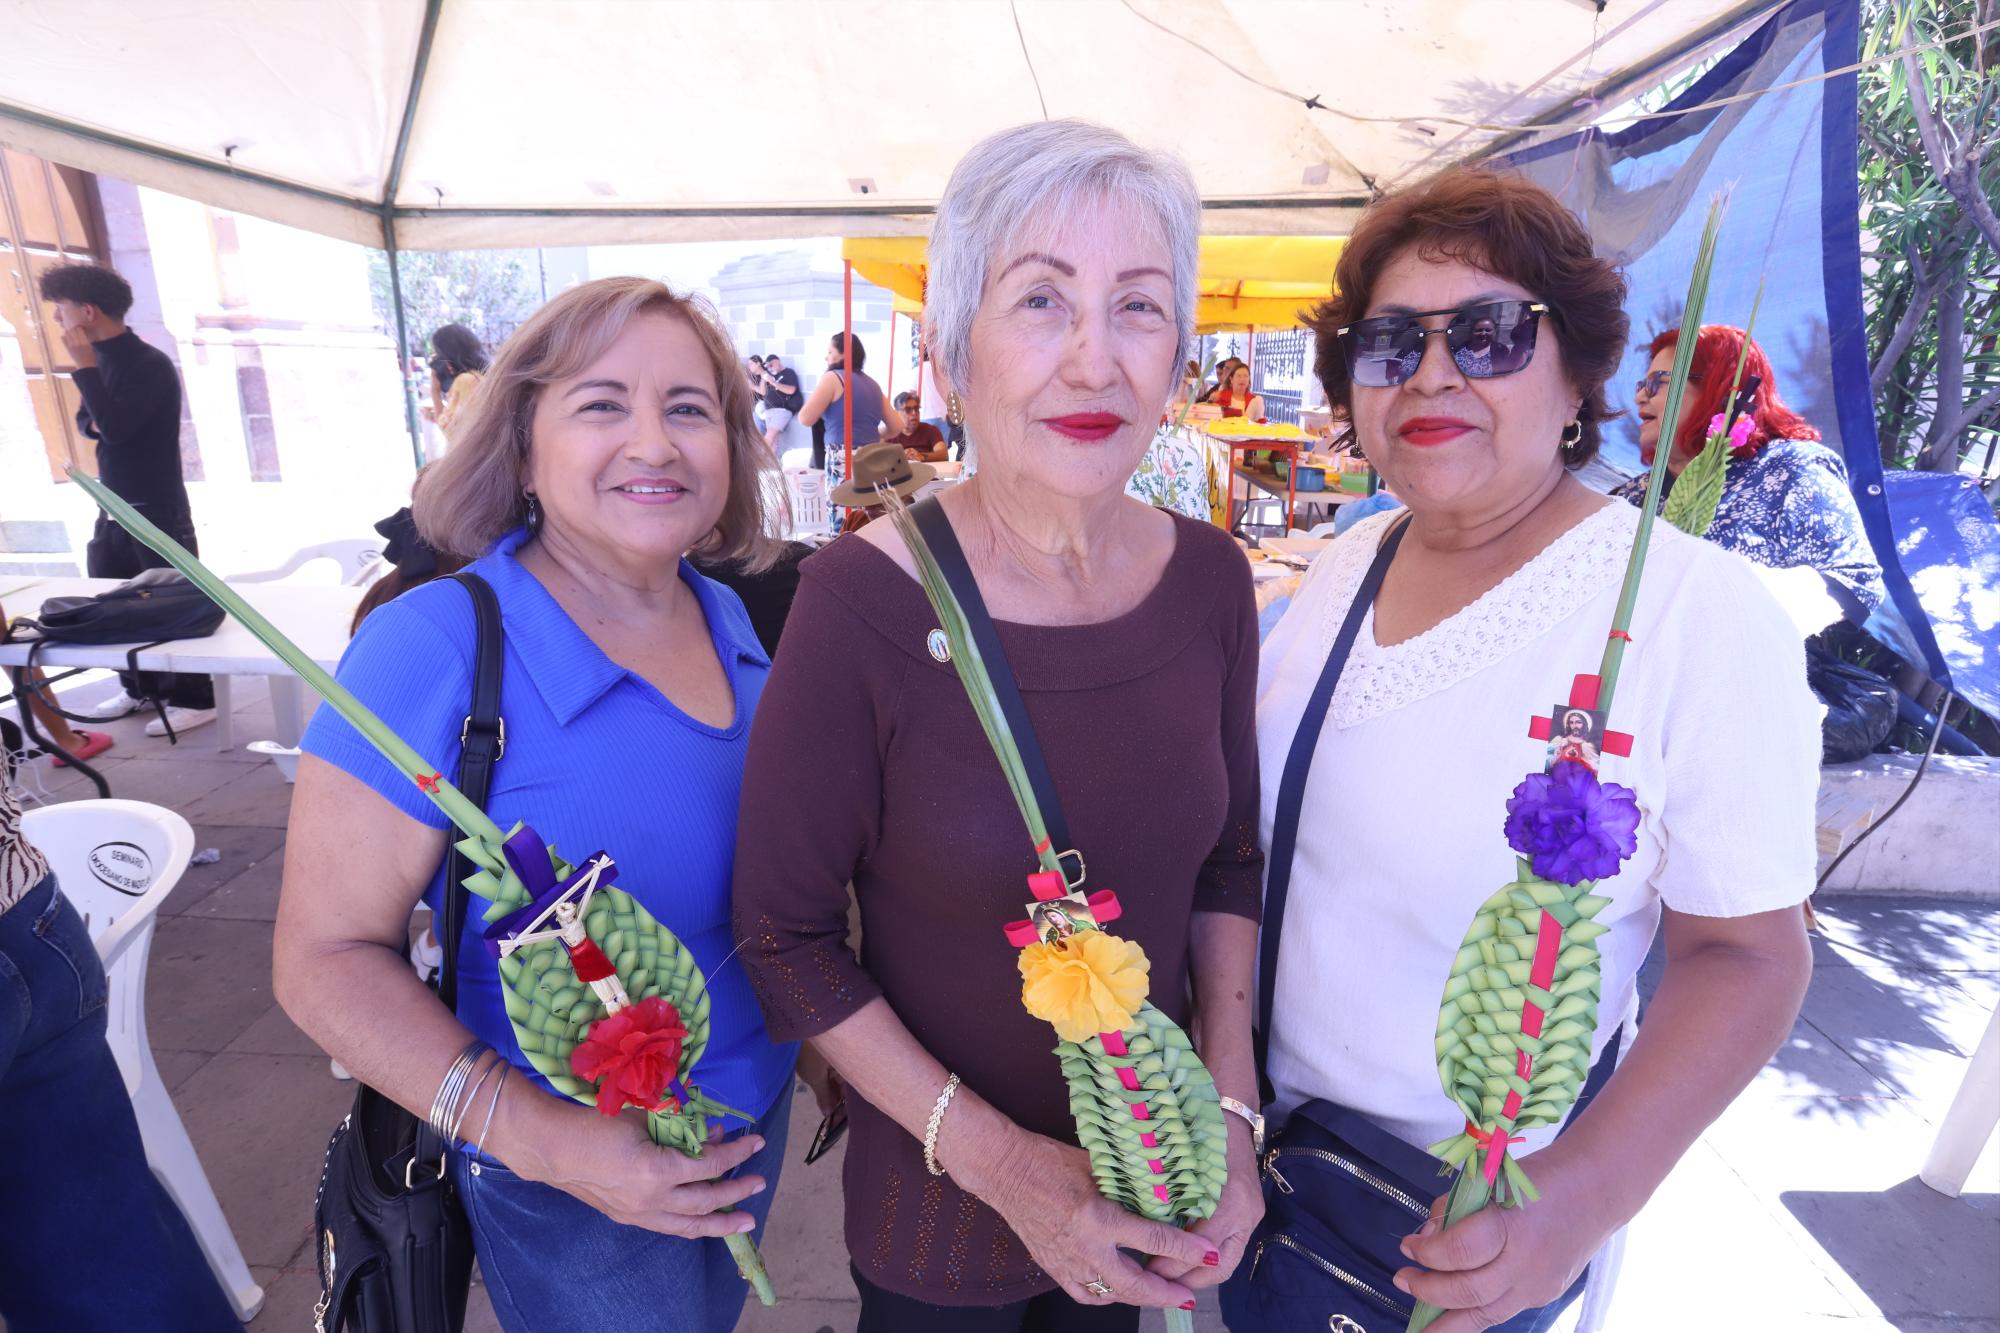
<point x="885" y="465"/>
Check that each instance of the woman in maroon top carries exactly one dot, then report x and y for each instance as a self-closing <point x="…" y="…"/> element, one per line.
<point x="1132" y="633"/>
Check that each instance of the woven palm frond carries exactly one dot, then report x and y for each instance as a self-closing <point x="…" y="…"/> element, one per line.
<point x="1184" y="1120"/>
<point x="1480" y="1036"/>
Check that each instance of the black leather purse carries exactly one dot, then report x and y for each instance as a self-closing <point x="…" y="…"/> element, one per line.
<point x="395" y="1247"/>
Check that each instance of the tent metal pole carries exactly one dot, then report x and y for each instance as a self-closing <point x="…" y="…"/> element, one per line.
<point x="402" y="343"/>
<point x="847" y="368"/>
<point x="394" y="186"/>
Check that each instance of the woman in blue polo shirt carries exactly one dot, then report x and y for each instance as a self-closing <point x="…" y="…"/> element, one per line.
<point x="613" y="436"/>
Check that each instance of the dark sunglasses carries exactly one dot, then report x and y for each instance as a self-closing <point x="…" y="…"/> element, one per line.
<point x="1657" y="381"/>
<point x="831" y="1128"/>
<point x="1386" y="351"/>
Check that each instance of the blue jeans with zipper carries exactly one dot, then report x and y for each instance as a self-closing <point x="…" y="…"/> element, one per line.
<point x="551" y="1261"/>
<point x="89" y="1238"/>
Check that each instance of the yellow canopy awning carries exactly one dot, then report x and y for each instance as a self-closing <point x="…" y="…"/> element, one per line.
<point x="1246" y="281"/>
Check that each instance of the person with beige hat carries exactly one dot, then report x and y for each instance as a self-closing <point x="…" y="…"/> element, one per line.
<point x="879" y="464"/>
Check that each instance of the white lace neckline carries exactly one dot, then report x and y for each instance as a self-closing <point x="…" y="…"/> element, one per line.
<point x="1570" y="571"/>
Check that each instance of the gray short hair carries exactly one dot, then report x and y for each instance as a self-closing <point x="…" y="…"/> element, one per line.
<point x="1038" y="175"/>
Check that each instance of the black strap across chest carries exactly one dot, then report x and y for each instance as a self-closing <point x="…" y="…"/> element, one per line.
<point x="1292" y="787"/>
<point x="483" y="739"/>
<point x="950" y="558"/>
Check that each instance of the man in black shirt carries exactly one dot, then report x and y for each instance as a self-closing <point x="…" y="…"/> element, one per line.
<point x="132" y="407"/>
<point x="782" y="398"/>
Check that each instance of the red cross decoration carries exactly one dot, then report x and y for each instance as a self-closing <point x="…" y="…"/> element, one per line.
<point x="1583" y="694"/>
<point x="430" y="784"/>
<point x="1049" y="887"/>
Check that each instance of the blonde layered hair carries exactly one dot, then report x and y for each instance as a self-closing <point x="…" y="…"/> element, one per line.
<point x="473" y="496"/>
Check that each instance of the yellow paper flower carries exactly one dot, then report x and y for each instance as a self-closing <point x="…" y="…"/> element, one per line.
<point x="1089" y="983"/>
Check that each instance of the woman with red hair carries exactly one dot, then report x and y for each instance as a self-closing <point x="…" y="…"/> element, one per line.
<point x="1785" y="501"/>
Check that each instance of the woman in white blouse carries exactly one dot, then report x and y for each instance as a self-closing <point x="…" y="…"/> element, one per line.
<point x="1502" y="589"/>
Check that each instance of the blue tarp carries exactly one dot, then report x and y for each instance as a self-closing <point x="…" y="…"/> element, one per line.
<point x="1950" y="548"/>
<point x="1787" y="160"/>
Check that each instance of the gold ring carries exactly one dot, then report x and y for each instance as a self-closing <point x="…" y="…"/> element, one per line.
<point x="1097" y="1286"/>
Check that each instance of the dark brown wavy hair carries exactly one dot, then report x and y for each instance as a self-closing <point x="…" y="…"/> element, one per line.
<point x="1509" y="227"/>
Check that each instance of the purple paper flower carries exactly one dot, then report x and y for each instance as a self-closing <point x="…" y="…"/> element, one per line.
<point x="1570" y="826"/>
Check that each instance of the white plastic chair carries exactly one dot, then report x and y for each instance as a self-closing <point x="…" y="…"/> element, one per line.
<point x="360" y="564"/>
<point x="805" y="489"/>
<point x="116" y="862"/>
<point x="1975" y="1110"/>
<point x="357" y="560"/>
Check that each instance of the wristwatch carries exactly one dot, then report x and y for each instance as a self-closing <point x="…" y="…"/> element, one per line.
<point x="1251" y="1118"/>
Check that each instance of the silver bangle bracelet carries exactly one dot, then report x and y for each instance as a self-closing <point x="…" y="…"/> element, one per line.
<point x="471" y="1099"/>
<point x="505" y="1069"/>
<point x="936" y="1122"/>
<point x="454" y="1084"/>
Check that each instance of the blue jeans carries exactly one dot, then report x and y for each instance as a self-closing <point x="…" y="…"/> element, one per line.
<point x="88" y="1237"/>
<point x="552" y="1261"/>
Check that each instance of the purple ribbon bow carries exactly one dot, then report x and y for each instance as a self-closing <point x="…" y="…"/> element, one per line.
<point x="529" y="857"/>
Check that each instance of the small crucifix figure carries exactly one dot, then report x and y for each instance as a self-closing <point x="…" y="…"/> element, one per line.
<point x="592" y="967"/>
<point x="1575" y="731"/>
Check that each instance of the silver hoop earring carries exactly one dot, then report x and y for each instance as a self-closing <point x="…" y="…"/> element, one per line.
<point x="1572" y="437"/>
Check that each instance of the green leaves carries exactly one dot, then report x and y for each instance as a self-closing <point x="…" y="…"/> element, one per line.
<point x="1190" y="1137"/>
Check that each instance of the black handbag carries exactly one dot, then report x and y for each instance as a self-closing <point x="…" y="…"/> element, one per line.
<point x="1340" y="1192"/>
<point x="394" y="1245"/>
<point x="156" y="607"/>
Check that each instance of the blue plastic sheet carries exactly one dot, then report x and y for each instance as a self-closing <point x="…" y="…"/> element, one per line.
<point x="1787" y="161"/>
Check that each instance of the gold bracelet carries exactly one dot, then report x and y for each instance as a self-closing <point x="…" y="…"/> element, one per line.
<point x="937" y="1119"/>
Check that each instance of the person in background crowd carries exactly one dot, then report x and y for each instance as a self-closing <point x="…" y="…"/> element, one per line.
<point x="1785" y="498"/>
<point x="873" y="416"/>
<point x="778" y="386"/>
<point x="1061" y="303"/>
<point x="68" y="741"/>
<point x="1188" y="390"/>
<point x="92" y="1239"/>
<point x="458" y="359"/>
<point x="920" y="441"/>
<point x="613" y="437"/>
<point x="1235" y="398"/>
<point x="879" y="463"/>
<point x="1504" y="583"/>
<point x="132" y="407"/>
<point x="1223" y="370"/>
<point x="934" y="403"/>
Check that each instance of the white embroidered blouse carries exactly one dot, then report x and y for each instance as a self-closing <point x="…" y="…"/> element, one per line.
<point x="1401" y="836"/>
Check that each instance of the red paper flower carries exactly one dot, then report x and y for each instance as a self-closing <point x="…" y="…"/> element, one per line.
<point x="635" y="1052"/>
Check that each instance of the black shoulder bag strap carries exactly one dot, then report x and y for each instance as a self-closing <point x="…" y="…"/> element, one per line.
<point x="1292" y="793"/>
<point x="950" y="557"/>
<point x="482" y="740"/>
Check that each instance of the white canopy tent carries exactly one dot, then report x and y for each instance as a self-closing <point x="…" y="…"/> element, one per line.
<point x="440" y="124"/>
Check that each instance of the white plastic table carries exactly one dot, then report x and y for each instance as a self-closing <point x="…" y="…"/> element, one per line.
<point x="316" y="618"/>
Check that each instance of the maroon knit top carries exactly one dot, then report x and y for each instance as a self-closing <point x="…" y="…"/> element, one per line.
<point x="867" y="764"/>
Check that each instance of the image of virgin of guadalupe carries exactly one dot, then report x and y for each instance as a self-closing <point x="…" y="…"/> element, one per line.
<point x="1052" y="923"/>
<point x="1576" y="739"/>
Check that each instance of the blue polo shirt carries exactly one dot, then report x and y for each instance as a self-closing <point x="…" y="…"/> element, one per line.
<point x="597" y="759"/>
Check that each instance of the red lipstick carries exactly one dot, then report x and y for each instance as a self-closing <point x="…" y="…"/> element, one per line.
<point x="1089" y="427"/>
<point x="1429" y="431"/>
